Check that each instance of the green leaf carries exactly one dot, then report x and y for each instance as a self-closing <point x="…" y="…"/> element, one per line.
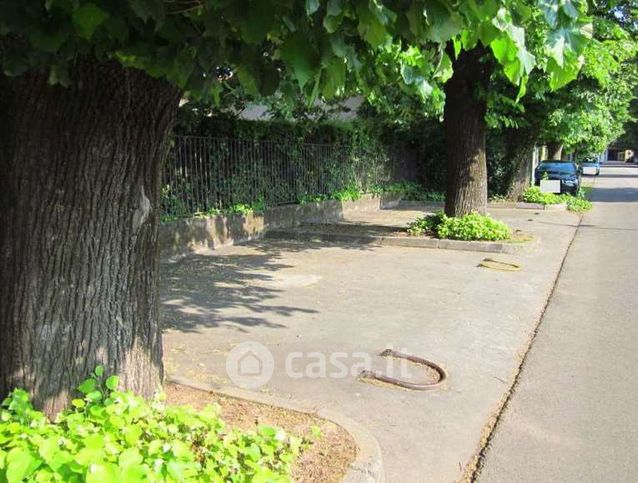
<point x="94" y="396"/>
<point x="60" y="459"/>
<point x="372" y="23"/>
<point x="87" y="386"/>
<point x="334" y="77"/>
<point x="331" y="23"/>
<point x="338" y="46"/>
<point x="560" y="76"/>
<point x="443" y="24"/>
<point x="102" y="473"/>
<point x="146" y="9"/>
<point x="130" y="457"/>
<point x="112" y="382"/>
<point x="416" y="19"/>
<point x="78" y="403"/>
<point x="45" y="41"/>
<point x="335" y="7"/>
<point x="300" y="56"/>
<point x="87" y="18"/>
<point x="179" y="470"/>
<point x="311" y="6"/>
<point x="132" y="434"/>
<point x="21" y="463"/>
<point x="259" y="20"/>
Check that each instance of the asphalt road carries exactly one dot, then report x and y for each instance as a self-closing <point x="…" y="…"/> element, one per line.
<point x="574" y="413"/>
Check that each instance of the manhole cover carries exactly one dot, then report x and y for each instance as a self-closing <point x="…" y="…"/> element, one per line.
<point x="414" y="372"/>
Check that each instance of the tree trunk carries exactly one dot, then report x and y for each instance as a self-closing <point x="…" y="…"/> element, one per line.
<point x="520" y="151"/>
<point x="465" y="128"/>
<point x="79" y="198"/>
<point x="554" y="151"/>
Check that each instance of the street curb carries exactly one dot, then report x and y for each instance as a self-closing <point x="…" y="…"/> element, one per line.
<point x="537" y="206"/>
<point x="475" y="465"/>
<point x="519" y="205"/>
<point x="413" y="242"/>
<point x="367" y="467"/>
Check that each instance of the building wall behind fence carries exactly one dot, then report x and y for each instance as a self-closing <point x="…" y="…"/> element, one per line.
<point x="203" y="174"/>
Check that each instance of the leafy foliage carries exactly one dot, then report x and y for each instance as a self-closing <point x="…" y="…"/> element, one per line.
<point x="533" y="194"/>
<point x="578" y="203"/>
<point x="349" y="193"/>
<point x="472" y="226"/>
<point x="426" y="225"/>
<point x="411" y="191"/>
<point x="590" y="113"/>
<point x="115" y="436"/>
<point x="318" y="47"/>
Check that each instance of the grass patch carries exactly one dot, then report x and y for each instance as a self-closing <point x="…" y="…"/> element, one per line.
<point x="470" y="227"/>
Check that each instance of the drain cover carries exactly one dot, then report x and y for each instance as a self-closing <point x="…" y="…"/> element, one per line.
<point x="429" y="365"/>
<point x="499" y="265"/>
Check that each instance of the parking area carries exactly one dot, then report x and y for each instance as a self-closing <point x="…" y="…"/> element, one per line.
<point x="307" y="298"/>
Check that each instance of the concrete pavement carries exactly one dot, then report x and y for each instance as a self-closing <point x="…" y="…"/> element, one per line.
<point x="309" y="298"/>
<point x="574" y="413"/>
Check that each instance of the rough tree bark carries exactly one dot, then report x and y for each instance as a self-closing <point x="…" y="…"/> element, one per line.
<point x="79" y="195"/>
<point x="554" y="151"/>
<point x="520" y="151"/>
<point x="465" y="128"/>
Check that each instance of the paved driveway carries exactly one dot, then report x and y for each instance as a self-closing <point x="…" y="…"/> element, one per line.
<point x="309" y="297"/>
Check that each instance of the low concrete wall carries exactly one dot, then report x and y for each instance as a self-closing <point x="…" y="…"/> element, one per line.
<point x="178" y="238"/>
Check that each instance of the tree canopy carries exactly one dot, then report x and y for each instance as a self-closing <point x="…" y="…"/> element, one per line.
<point x="322" y="46"/>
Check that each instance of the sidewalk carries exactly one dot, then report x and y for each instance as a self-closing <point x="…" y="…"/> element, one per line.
<point x="573" y="414"/>
<point x="311" y="296"/>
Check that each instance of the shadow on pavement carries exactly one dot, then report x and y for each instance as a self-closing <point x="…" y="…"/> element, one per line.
<point x="197" y="289"/>
<point x="615" y="194"/>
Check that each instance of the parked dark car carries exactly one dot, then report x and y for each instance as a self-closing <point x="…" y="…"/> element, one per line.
<point x="567" y="172"/>
<point x="590" y="163"/>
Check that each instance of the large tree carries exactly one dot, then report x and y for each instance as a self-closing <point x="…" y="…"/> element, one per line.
<point x="503" y="42"/>
<point x="88" y="94"/>
<point x="583" y="117"/>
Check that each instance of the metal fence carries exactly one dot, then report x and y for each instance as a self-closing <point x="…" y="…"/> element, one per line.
<point x="203" y="174"/>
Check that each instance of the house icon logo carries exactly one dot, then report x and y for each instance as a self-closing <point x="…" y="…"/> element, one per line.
<point x="250" y="365"/>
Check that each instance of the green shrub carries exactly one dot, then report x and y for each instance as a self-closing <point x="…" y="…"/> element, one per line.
<point x="472" y="227"/>
<point x="577" y="203"/>
<point x="306" y="198"/>
<point x="467" y="227"/>
<point x="426" y="225"/>
<point x="410" y="191"/>
<point x="533" y="194"/>
<point x="349" y="193"/>
<point x="114" y="436"/>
